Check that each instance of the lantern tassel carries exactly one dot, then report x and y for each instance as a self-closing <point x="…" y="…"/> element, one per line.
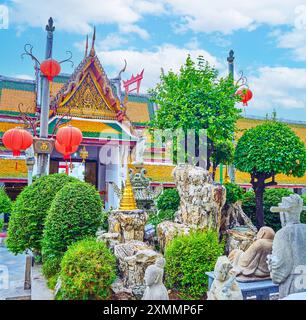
<point x="67" y="168"/>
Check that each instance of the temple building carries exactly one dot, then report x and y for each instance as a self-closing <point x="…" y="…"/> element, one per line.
<point x="112" y="122"/>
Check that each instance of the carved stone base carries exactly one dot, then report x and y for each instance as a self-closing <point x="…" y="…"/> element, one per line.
<point x="128" y="224"/>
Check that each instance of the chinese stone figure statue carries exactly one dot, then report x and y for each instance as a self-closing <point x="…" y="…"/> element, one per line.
<point x="288" y="256"/>
<point x="224" y="286"/>
<point x="155" y="289"/>
<point x="252" y="263"/>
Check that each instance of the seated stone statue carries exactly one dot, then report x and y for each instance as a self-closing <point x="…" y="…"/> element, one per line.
<point x="251" y="264"/>
<point x="288" y="259"/>
<point x="224" y="286"/>
<point x="155" y="289"/>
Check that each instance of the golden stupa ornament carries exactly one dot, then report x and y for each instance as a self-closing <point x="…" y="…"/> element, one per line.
<point x="84" y="154"/>
<point x="128" y="202"/>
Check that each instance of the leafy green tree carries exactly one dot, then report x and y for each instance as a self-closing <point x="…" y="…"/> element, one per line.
<point x="265" y="151"/>
<point x="223" y="153"/>
<point x="196" y="98"/>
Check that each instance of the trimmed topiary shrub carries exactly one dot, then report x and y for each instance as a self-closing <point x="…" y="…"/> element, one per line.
<point x="168" y="200"/>
<point x="188" y="257"/>
<point x="234" y="193"/>
<point x="29" y="212"/>
<point x="75" y="213"/>
<point x="88" y="269"/>
<point x="5" y="202"/>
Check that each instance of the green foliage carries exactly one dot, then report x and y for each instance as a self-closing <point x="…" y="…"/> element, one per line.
<point x="196" y="98"/>
<point x="271" y="147"/>
<point x="188" y="257"/>
<point x="272" y="197"/>
<point x="1" y="224"/>
<point x="234" y="193"/>
<point x="29" y="212"/>
<point x="224" y="152"/>
<point x="87" y="271"/>
<point x="160" y="216"/>
<point x="168" y="200"/>
<point x="104" y="220"/>
<point x="75" y="213"/>
<point x="5" y="202"/>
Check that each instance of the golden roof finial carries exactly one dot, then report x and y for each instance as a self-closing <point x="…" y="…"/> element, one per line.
<point x="92" y="50"/>
<point x="128" y="202"/>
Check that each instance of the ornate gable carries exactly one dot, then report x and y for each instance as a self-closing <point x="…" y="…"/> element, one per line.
<point x="88" y="93"/>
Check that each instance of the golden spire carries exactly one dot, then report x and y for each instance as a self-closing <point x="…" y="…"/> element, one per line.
<point x="86" y="46"/>
<point x="128" y="202"/>
<point x="92" y="50"/>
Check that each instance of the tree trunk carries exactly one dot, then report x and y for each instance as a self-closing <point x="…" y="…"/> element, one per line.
<point x="259" y="188"/>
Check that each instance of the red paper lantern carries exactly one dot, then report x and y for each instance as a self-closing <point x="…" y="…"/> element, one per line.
<point x="61" y="149"/>
<point x="69" y="137"/>
<point x="50" y="68"/>
<point x="245" y="94"/>
<point x="17" y="140"/>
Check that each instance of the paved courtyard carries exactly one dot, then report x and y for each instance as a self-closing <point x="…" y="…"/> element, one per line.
<point x="16" y="270"/>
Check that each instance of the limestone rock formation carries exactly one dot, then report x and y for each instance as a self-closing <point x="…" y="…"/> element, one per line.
<point x="133" y="259"/>
<point x="201" y="200"/>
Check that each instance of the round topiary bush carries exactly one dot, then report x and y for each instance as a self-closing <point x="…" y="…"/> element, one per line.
<point x="29" y="212"/>
<point x="75" y="213"/>
<point x="88" y="269"/>
<point x="168" y="200"/>
<point x="188" y="257"/>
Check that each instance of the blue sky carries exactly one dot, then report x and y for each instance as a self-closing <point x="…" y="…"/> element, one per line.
<point x="268" y="37"/>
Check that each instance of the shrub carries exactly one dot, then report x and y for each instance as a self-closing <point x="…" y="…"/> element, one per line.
<point x="29" y="212"/>
<point x="168" y="200"/>
<point x="188" y="257"/>
<point x="5" y="202"/>
<point x="104" y="220"/>
<point x="87" y="271"/>
<point x="272" y="197"/>
<point x="75" y="213"/>
<point x="160" y="216"/>
<point x="1" y="224"/>
<point x="234" y="193"/>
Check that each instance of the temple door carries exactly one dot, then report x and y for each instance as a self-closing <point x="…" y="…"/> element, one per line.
<point x="91" y="173"/>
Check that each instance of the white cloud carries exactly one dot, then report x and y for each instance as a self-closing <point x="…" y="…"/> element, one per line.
<point x="131" y="28"/>
<point x="79" y="15"/>
<point x="112" y="41"/>
<point x="166" y="57"/>
<point x="23" y="76"/>
<point x="228" y="16"/>
<point x="281" y="88"/>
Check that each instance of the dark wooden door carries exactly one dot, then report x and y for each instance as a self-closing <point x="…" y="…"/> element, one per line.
<point x="53" y="166"/>
<point x="91" y="173"/>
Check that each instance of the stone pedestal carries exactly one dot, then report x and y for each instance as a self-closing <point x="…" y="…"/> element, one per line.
<point x="201" y="200"/>
<point x="128" y="224"/>
<point x="133" y="259"/>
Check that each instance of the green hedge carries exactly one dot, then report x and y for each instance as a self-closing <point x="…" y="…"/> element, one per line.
<point x="272" y="197"/>
<point x="29" y="212"/>
<point x="188" y="257"/>
<point x="160" y="216"/>
<point x="88" y="269"/>
<point x="234" y="193"/>
<point x="75" y="213"/>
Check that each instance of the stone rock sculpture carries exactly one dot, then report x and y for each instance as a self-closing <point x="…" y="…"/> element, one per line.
<point x="287" y="263"/>
<point x="155" y="289"/>
<point x="224" y="286"/>
<point x="251" y="265"/>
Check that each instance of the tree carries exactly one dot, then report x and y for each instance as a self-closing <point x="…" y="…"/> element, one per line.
<point x="195" y="98"/>
<point x="265" y="151"/>
<point x="223" y="153"/>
